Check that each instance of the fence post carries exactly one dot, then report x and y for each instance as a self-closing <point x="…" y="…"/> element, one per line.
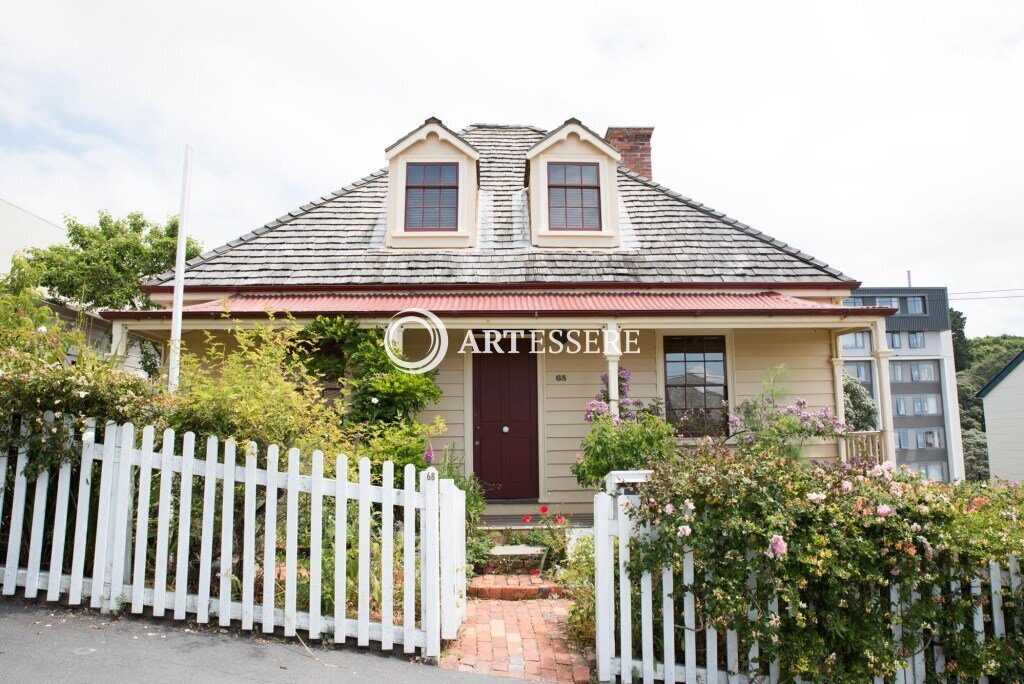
<point x="431" y="530"/>
<point x="449" y="619"/>
<point x="121" y="515"/>
<point x="603" y="585"/>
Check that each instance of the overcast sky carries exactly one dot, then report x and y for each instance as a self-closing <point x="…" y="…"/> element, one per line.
<point x="877" y="137"/>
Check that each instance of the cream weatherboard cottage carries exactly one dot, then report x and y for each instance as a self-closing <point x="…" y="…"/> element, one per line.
<point x="516" y="228"/>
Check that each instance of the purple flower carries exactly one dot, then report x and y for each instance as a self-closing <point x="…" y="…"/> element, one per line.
<point x="777" y="547"/>
<point x="428" y="454"/>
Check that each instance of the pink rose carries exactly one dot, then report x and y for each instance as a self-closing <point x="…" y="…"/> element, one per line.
<point x="684" y="531"/>
<point x="883" y="511"/>
<point x="846" y="486"/>
<point x="777" y="547"/>
<point x="669" y="509"/>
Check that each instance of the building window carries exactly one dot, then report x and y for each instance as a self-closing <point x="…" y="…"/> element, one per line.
<point x="894" y="340"/>
<point x="922" y="371"/>
<point x="890" y="302"/>
<point x="916" y="340"/>
<point x="895" y="371"/>
<point x="901" y="404"/>
<point x="695" y="384"/>
<point x="926" y="405"/>
<point x="853" y="301"/>
<point x="929" y="438"/>
<point x="860" y="370"/>
<point x="914" y="305"/>
<point x="432" y="197"/>
<point x="857" y="340"/>
<point x="574" y="197"/>
<point x="902" y="438"/>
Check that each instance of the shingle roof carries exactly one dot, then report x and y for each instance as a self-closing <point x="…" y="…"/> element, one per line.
<point x="338" y="240"/>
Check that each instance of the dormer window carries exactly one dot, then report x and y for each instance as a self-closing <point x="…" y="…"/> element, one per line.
<point x="432" y="196"/>
<point x="574" y="196"/>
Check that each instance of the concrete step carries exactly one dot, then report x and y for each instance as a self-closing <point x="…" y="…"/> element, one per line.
<point x="514" y="559"/>
<point x="513" y="587"/>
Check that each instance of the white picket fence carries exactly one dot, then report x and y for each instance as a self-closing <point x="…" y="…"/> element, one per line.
<point x="104" y="544"/>
<point x="736" y="663"/>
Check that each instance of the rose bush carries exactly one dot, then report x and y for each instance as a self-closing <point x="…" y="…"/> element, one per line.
<point x="830" y="542"/>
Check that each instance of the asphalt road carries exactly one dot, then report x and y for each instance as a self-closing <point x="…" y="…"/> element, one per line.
<point x="52" y="643"/>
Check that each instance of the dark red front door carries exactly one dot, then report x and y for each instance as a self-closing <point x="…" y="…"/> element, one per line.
<point x="505" y="424"/>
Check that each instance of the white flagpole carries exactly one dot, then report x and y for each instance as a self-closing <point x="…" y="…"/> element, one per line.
<point x="174" y="366"/>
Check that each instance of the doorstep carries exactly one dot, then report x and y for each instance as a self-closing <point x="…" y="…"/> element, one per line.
<point x="513" y="587"/>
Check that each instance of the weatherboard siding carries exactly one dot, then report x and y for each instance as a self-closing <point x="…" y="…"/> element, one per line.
<point x="1004" y="426"/>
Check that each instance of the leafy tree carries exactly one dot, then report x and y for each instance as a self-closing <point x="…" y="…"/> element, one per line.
<point x="102" y="264"/>
<point x="975" y="455"/>
<point x="860" y="409"/>
<point x="962" y="353"/>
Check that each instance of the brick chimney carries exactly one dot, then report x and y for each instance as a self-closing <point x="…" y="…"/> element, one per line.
<point x="635" y="145"/>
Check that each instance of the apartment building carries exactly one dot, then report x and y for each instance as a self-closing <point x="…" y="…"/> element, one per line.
<point x="926" y="412"/>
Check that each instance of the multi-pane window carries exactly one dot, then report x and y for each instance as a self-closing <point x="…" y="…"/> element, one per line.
<point x="922" y="371"/>
<point x="853" y="301"/>
<point x="891" y="302"/>
<point x="916" y="340"/>
<point x="695" y="384"/>
<point x="894" y="340"/>
<point x="926" y="405"/>
<point x="432" y="197"/>
<point x="857" y="340"/>
<point x="895" y="371"/>
<point x="914" y="305"/>
<point x="929" y="438"/>
<point x="574" y="197"/>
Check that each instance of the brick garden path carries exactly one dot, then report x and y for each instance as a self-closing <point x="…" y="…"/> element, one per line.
<point x="520" y="639"/>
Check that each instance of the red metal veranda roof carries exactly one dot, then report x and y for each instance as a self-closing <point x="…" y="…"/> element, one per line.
<point x="512" y="304"/>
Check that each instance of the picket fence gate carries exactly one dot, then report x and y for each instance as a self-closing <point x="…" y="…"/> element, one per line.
<point x="98" y="538"/>
<point x="740" y="663"/>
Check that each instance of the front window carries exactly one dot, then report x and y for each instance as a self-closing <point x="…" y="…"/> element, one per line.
<point x="916" y="340"/>
<point x="894" y="340"/>
<point x="922" y="371"/>
<point x="915" y="305"/>
<point x="432" y="197"/>
<point x="926" y="405"/>
<point x="695" y="384"/>
<point x="574" y="197"/>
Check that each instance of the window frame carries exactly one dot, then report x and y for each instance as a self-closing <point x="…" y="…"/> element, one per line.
<point x="424" y="187"/>
<point x="896" y="371"/>
<point x="915" y="371"/>
<point x="892" y="335"/>
<point x="889" y="302"/>
<point x="905" y="310"/>
<point x="581" y="186"/>
<point x="915" y="335"/>
<point x="853" y="301"/>
<point x="921" y="399"/>
<point x="940" y="438"/>
<point x="665" y="342"/>
<point x="861" y="336"/>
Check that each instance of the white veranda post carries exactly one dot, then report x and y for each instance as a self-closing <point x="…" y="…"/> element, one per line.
<point x="612" y="353"/>
<point x="837" y="385"/>
<point x="179" y="274"/>
<point x="881" y="353"/>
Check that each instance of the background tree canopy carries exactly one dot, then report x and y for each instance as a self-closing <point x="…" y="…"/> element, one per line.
<point x="977" y="361"/>
<point x="102" y="264"/>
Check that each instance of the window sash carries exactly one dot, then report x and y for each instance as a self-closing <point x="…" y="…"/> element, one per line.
<point x="574" y="196"/>
<point x="696" y="384"/>
<point x="916" y="340"/>
<point x="432" y="196"/>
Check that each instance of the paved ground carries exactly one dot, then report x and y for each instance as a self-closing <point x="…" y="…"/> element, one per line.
<point x="521" y="639"/>
<point x="52" y="643"/>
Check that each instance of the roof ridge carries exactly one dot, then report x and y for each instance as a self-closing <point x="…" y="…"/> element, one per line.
<point x="269" y="226"/>
<point x="473" y="126"/>
<point x="735" y="223"/>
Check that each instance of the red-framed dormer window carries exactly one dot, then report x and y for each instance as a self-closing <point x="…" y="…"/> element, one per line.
<point x="432" y="197"/>
<point x="574" y="196"/>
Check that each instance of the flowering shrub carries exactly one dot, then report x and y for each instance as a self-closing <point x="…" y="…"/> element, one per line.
<point x="622" y="445"/>
<point x="829" y="542"/>
<point x="551" y="532"/>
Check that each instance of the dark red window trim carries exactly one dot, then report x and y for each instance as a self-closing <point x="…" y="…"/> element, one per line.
<point x="423" y="187"/>
<point x="581" y="186"/>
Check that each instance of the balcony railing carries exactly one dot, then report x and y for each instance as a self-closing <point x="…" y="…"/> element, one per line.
<point x="864" y="446"/>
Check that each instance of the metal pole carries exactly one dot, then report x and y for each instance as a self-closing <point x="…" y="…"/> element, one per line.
<point x="173" y="367"/>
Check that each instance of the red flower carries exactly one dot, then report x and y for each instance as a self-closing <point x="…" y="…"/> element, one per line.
<point x="535" y="571"/>
<point x="559" y="519"/>
<point x="543" y="509"/>
<point x="527" y="518"/>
